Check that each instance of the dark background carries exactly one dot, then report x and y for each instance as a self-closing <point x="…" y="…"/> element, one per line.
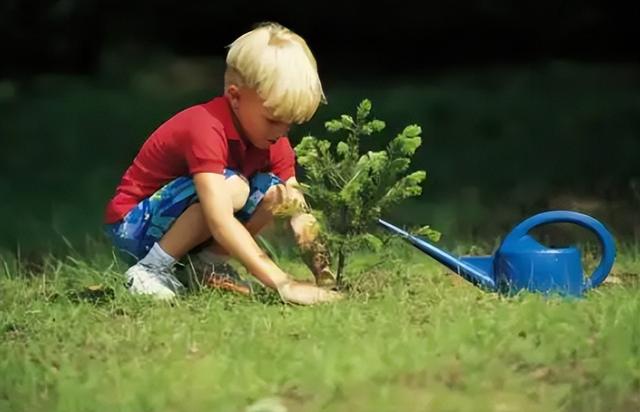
<point x="386" y="36"/>
<point x="524" y="106"/>
<point x="72" y="35"/>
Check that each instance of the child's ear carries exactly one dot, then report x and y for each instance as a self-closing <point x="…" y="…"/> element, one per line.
<point x="233" y="94"/>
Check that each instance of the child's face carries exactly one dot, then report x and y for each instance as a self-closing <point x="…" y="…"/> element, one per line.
<point x="256" y="122"/>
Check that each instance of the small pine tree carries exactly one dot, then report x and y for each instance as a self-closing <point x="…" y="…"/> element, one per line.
<point x="349" y="191"/>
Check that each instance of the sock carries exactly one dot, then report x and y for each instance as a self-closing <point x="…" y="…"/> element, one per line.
<point x="211" y="258"/>
<point x="158" y="258"/>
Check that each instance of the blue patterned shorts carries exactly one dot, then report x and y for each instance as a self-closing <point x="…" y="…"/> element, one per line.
<point x="146" y="223"/>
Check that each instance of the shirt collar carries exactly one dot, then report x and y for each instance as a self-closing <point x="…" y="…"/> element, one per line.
<point x="220" y="107"/>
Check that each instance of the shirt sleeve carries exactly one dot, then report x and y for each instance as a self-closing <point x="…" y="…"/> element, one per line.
<point x="283" y="159"/>
<point x="205" y="146"/>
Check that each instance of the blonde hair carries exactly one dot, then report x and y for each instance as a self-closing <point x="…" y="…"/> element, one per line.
<point x="278" y="64"/>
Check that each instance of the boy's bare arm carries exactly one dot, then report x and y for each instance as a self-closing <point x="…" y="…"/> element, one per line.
<point x="234" y="237"/>
<point x="307" y="232"/>
<point x="231" y="234"/>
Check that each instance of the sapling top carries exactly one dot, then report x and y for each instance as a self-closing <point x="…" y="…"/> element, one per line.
<point x="349" y="190"/>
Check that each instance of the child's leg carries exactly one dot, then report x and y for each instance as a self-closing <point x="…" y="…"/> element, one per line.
<point x="163" y="228"/>
<point x="266" y="191"/>
<point x="190" y="229"/>
<point x="172" y="217"/>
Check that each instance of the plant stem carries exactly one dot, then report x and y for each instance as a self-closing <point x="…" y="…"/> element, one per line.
<point x="341" y="252"/>
<point x="341" y="261"/>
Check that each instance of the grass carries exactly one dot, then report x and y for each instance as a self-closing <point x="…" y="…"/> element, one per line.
<point x="407" y="338"/>
<point x="500" y="144"/>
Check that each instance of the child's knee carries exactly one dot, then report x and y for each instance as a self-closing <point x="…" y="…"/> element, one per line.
<point x="266" y="190"/>
<point x="239" y="191"/>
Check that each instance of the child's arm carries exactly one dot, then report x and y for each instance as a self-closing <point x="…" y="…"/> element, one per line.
<point x="307" y="233"/>
<point x="235" y="239"/>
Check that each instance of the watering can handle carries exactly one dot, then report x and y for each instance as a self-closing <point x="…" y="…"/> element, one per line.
<point x="580" y="219"/>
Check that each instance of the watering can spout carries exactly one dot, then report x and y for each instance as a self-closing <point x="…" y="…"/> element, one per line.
<point x="477" y="270"/>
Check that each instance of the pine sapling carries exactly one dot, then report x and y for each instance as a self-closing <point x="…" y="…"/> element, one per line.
<point x="349" y="190"/>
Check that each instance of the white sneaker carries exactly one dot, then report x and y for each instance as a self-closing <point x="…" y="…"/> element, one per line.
<point x="158" y="282"/>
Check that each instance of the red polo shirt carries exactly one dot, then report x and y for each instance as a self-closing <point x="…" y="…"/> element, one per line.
<point x="199" y="139"/>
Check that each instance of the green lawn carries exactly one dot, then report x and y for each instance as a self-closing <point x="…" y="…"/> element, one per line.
<point x="407" y="338"/>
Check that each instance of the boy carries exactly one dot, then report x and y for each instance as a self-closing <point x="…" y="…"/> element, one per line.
<point x="217" y="163"/>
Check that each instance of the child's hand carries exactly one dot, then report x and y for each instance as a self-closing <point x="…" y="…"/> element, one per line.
<point x="325" y="278"/>
<point x="316" y="256"/>
<point x="305" y="294"/>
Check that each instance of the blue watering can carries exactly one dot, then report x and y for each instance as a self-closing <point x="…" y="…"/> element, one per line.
<point x="521" y="262"/>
